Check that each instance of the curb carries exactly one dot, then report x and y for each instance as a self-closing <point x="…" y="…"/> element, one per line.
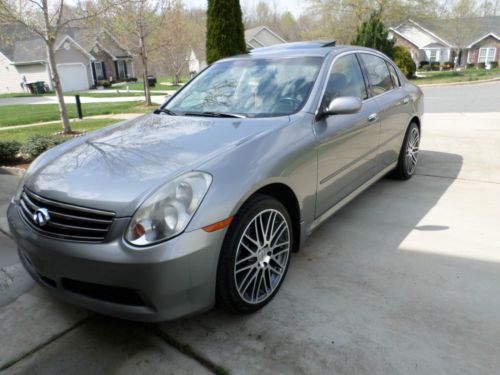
<point x="458" y="83"/>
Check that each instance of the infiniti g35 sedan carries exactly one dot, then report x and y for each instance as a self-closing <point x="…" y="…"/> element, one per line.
<point x="204" y="200"/>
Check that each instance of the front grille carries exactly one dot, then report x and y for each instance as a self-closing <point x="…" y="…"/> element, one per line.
<point x="66" y="221"/>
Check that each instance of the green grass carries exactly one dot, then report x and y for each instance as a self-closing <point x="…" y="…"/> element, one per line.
<point x="29" y="114"/>
<point x="22" y="134"/>
<point x="457" y="76"/>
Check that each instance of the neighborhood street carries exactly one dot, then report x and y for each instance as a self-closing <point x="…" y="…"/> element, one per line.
<point x="404" y="279"/>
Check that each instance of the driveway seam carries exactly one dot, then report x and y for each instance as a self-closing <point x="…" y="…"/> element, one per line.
<point x="46" y="343"/>
<point x="457" y="178"/>
<point x="188" y="351"/>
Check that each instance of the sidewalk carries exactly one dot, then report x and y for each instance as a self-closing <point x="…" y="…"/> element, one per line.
<point x="117" y="116"/>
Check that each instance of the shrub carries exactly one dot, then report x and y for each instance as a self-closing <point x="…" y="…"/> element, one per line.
<point x="132" y="79"/>
<point x="481" y="65"/>
<point x="403" y="60"/>
<point x="9" y="150"/>
<point x="38" y="144"/>
<point x="494" y="64"/>
<point x="422" y="64"/>
<point x="470" y="65"/>
<point x="104" y="83"/>
<point x="435" y="65"/>
<point x="448" y="65"/>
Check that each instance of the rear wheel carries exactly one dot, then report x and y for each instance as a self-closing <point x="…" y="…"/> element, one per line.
<point x="255" y="255"/>
<point x="408" y="156"/>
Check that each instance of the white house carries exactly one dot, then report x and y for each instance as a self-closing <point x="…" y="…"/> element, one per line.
<point x="83" y="57"/>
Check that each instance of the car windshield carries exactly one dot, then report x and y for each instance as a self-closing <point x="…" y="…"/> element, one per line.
<point x="256" y="87"/>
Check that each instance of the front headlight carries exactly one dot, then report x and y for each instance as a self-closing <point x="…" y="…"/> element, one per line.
<point x="24" y="178"/>
<point x="168" y="211"/>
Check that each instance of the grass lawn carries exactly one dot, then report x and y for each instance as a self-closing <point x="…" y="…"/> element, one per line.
<point x="30" y="114"/>
<point x="22" y="134"/>
<point x="457" y="76"/>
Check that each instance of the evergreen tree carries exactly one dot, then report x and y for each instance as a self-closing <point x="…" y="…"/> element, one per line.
<point x="372" y="33"/>
<point x="225" y="30"/>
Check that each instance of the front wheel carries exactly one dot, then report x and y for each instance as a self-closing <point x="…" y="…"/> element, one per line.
<point x="408" y="156"/>
<point x="255" y="255"/>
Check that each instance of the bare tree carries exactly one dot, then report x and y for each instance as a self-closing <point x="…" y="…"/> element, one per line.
<point x="135" y="24"/>
<point x="47" y="19"/>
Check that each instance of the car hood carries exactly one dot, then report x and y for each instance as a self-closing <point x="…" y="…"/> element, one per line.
<point x="115" y="168"/>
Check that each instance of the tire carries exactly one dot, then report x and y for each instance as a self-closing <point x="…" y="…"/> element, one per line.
<point x="253" y="264"/>
<point x="408" y="156"/>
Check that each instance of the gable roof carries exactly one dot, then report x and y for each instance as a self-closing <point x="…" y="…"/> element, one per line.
<point x="493" y="35"/>
<point x="21" y="45"/>
<point x="443" y="31"/>
<point x="418" y="34"/>
<point x="252" y="37"/>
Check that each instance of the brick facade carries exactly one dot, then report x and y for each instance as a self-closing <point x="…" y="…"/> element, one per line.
<point x="486" y="42"/>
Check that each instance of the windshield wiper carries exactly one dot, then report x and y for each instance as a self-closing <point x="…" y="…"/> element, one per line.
<point x="165" y="110"/>
<point x="214" y="114"/>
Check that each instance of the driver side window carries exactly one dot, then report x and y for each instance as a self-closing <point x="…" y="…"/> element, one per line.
<point x="345" y="79"/>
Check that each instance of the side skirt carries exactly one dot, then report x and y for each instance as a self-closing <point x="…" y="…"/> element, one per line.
<point x="317" y="222"/>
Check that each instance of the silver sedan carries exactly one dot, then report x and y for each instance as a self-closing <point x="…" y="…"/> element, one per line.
<point x="205" y="199"/>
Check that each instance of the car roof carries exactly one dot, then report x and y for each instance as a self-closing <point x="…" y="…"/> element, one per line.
<point x="320" y="48"/>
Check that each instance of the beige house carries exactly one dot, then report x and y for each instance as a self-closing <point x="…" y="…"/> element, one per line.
<point x="83" y="58"/>
<point x="437" y="41"/>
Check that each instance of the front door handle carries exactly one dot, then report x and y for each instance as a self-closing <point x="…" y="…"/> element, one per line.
<point x="373" y="117"/>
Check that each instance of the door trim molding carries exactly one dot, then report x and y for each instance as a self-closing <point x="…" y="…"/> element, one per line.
<point x="320" y="219"/>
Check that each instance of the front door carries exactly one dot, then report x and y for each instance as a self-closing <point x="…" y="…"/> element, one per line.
<point x="347" y="144"/>
<point x="394" y="107"/>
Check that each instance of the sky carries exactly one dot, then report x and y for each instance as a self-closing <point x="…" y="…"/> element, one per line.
<point x="296" y="7"/>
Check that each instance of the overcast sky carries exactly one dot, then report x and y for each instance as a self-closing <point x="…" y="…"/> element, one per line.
<point x="294" y="6"/>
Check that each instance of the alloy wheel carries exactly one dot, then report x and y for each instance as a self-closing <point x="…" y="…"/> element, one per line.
<point x="412" y="151"/>
<point x="262" y="256"/>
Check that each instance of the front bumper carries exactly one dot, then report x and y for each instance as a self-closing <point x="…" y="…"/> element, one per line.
<point x="162" y="282"/>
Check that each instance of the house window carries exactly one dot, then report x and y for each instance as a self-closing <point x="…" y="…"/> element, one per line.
<point x="434" y="55"/>
<point x="121" y="69"/>
<point x="487" y="55"/>
<point x="99" y="71"/>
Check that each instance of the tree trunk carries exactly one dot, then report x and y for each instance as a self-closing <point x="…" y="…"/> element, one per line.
<point x="56" y="83"/>
<point x="144" y="59"/>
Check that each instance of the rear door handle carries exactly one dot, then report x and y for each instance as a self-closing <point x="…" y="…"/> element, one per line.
<point x="405" y="100"/>
<point x="372" y="117"/>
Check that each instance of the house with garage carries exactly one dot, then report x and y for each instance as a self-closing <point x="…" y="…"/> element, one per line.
<point x="461" y="41"/>
<point x="261" y="36"/>
<point x="83" y="57"/>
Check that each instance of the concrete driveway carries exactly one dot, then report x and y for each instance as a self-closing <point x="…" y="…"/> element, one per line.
<point x="403" y="280"/>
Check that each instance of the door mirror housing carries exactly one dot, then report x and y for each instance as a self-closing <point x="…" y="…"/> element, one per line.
<point x="343" y="105"/>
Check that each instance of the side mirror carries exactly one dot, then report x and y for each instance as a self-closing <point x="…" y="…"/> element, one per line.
<point x="343" y="105"/>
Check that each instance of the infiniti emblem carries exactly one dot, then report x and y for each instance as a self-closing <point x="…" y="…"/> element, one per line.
<point x="41" y="217"/>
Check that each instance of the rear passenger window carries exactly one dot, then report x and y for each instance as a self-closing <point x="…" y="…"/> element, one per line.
<point x="345" y="79"/>
<point x="394" y="75"/>
<point x="378" y="73"/>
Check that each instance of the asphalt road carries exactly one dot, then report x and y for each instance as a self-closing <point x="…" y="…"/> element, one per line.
<point x="484" y="97"/>
<point x="403" y="280"/>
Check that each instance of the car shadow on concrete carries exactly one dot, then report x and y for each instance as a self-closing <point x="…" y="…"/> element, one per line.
<point x="367" y="294"/>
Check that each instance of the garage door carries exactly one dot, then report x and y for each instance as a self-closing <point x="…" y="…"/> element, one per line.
<point x="73" y="77"/>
